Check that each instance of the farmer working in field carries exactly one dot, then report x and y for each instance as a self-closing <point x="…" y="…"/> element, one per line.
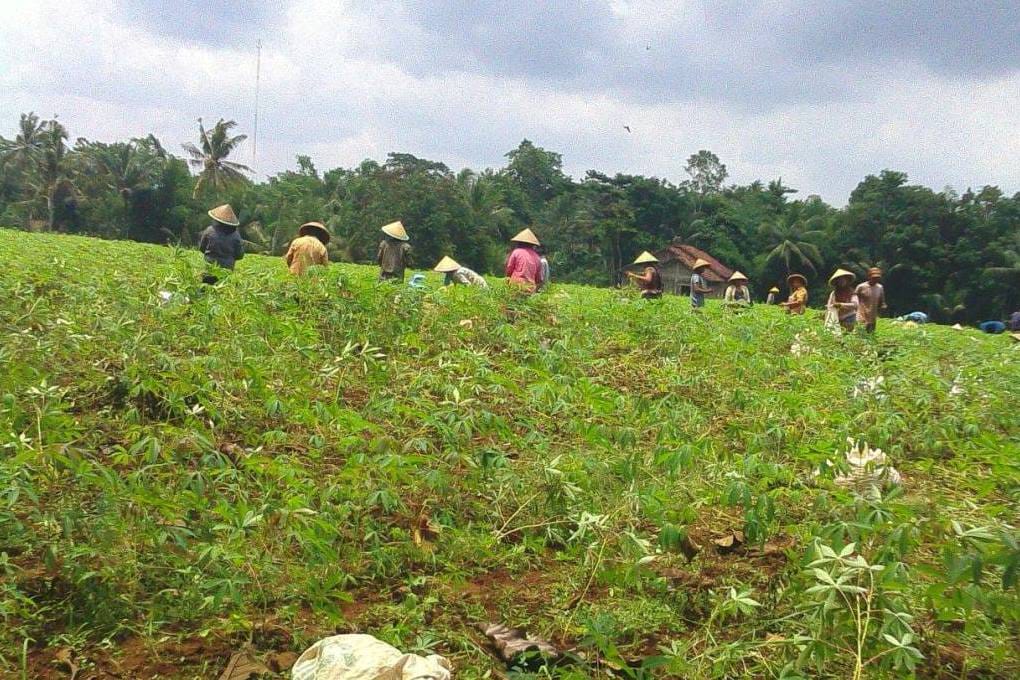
<point x="650" y="281"/>
<point x="870" y="298"/>
<point x="524" y="265"/>
<point x="699" y="286"/>
<point x="771" y="299"/>
<point x="394" y="252"/>
<point x="220" y="243"/>
<point x="842" y="302"/>
<point x="797" y="302"/>
<point x="308" y="249"/>
<point x="455" y="274"/>
<point x="737" y="292"/>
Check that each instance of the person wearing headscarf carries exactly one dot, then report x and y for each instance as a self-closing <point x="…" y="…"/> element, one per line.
<point x="523" y="264"/>
<point x="649" y="281"/>
<point x="773" y="292"/>
<point x="842" y="304"/>
<point x="737" y="292"/>
<point x="308" y="249"/>
<point x="220" y="242"/>
<point x="870" y="299"/>
<point x="797" y="302"/>
<point x="456" y="274"/>
<point x="394" y="252"/>
<point x="699" y="286"/>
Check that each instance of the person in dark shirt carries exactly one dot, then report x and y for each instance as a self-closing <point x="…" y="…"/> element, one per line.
<point x="220" y="243"/>
<point x="394" y="252"/>
<point x="649" y="281"/>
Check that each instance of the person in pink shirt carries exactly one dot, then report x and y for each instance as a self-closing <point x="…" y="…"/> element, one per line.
<point x="524" y="264"/>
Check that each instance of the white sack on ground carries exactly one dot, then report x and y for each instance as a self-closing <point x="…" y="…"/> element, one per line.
<point x="363" y="657"/>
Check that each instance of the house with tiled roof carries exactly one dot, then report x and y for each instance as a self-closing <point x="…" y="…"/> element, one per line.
<point x="675" y="265"/>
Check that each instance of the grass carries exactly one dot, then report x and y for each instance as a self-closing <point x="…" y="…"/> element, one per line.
<point x="275" y="460"/>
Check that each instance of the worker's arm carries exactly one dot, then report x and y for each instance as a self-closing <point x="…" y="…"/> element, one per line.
<point x="238" y="247"/>
<point x="289" y="257"/>
<point x="378" y="256"/>
<point x="322" y="256"/>
<point x="203" y="241"/>
<point x="407" y="254"/>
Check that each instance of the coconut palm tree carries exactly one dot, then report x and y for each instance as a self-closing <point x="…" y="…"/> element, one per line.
<point x="216" y="173"/>
<point x="22" y="152"/>
<point x="790" y="243"/>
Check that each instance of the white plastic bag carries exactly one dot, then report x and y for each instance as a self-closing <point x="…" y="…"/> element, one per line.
<point x="363" y="657"/>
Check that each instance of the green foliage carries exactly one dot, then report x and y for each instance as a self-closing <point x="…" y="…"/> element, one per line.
<point x="951" y="256"/>
<point x="328" y="453"/>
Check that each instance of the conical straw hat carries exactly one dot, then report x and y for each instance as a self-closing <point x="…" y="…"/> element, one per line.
<point x="309" y="228"/>
<point x="840" y="273"/>
<point x="396" y="230"/>
<point x="699" y="263"/>
<point x="791" y="277"/>
<point x="526" y="236"/>
<point x="645" y="257"/>
<point x="773" y="289"/>
<point x="224" y="214"/>
<point x="447" y="264"/>
<point x="737" y="276"/>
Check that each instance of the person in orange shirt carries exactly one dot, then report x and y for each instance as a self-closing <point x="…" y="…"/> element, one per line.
<point x="797" y="302"/>
<point x="308" y="249"/>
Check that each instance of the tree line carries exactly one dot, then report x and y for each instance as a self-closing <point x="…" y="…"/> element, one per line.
<point x="953" y="256"/>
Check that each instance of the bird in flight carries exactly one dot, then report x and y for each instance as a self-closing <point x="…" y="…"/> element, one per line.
<point x="627" y="128"/>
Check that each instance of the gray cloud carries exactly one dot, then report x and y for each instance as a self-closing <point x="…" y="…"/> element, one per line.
<point x="818" y="96"/>
<point x="205" y="22"/>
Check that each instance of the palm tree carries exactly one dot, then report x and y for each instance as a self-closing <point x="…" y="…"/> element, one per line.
<point x="215" y="171"/>
<point x="126" y="167"/>
<point x="790" y="243"/>
<point x="22" y="152"/>
<point x="51" y="179"/>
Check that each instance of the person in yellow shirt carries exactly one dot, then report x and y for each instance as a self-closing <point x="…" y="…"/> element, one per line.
<point x="308" y="249"/>
<point x="797" y="302"/>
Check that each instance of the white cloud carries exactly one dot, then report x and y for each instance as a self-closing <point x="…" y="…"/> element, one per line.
<point x="346" y="81"/>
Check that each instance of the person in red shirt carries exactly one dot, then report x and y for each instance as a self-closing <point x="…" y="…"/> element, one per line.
<point x="524" y="264"/>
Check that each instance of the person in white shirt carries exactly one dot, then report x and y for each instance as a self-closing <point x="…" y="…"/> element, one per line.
<point x="455" y="274"/>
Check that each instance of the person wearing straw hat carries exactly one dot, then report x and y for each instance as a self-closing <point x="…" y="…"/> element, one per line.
<point x="842" y="305"/>
<point x="797" y="302"/>
<point x="394" y="252"/>
<point x="219" y="242"/>
<point x="699" y="286"/>
<point x="737" y="292"/>
<point x="650" y="281"/>
<point x="524" y="264"/>
<point x="773" y="292"/>
<point x="308" y="249"/>
<point x="870" y="299"/>
<point x="455" y="274"/>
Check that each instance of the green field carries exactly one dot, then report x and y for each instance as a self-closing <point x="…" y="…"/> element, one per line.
<point x="273" y="460"/>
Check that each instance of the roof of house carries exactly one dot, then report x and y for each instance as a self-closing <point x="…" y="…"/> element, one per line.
<point x="686" y="255"/>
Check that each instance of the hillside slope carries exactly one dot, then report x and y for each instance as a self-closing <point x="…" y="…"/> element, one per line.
<point x="272" y="460"/>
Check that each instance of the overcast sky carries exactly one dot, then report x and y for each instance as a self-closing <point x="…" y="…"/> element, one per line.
<point x="818" y="93"/>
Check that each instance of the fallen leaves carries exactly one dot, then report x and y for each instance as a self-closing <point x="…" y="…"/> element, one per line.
<point x="243" y="666"/>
